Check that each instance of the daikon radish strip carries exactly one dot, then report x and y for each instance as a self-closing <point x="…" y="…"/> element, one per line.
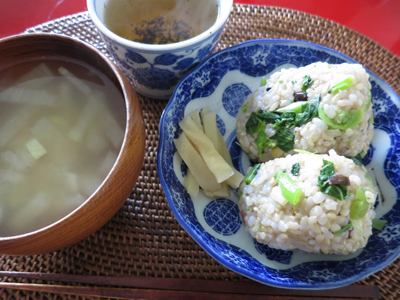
<point x="196" y="118"/>
<point x="71" y="180"/>
<point x="95" y="141"/>
<point x="86" y="116"/>
<point x="223" y="192"/>
<point x="191" y="184"/>
<point x="89" y="184"/>
<point x="10" y="176"/>
<point x="5" y="189"/>
<point x="59" y="121"/>
<point x="16" y="122"/>
<point x="210" y="155"/>
<point x="108" y="163"/>
<point x="112" y="129"/>
<point x="68" y="180"/>
<point x="78" y="83"/>
<point x="20" y="95"/>
<point x="45" y="131"/>
<point x="35" y="148"/>
<point x="210" y="127"/>
<point x="195" y="163"/>
<point x="29" y="212"/>
<point x="13" y="160"/>
<point x="69" y="204"/>
<point x="24" y="155"/>
<point x="41" y="70"/>
<point x="35" y="83"/>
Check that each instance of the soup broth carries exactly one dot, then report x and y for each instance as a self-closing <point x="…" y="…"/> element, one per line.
<point x="159" y="21"/>
<point x="60" y="135"/>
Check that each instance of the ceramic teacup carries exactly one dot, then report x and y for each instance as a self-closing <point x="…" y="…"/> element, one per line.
<point x="155" y="69"/>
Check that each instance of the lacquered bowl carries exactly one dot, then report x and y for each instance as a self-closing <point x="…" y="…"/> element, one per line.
<point x="104" y="203"/>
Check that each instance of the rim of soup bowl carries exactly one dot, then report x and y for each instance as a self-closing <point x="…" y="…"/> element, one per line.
<point x="225" y="10"/>
<point x="117" y="185"/>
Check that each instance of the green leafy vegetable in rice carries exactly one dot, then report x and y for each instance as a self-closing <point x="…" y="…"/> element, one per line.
<point x="313" y="108"/>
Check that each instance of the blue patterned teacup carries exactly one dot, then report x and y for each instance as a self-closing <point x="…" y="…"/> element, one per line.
<point x="155" y="69"/>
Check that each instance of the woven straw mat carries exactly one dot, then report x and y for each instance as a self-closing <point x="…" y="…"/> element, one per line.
<point x="144" y="238"/>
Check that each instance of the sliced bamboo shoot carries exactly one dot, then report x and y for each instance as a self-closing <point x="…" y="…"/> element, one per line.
<point x="223" y="192"/>
<point x="196" y="164"/>
<point x="210" y="127"/>
<point x="191" y="184"/>
<point x="196" y="118"/>
<point x="203" y="112"/>
<point x="210" y="155"/>
<point x="237" y="178"/>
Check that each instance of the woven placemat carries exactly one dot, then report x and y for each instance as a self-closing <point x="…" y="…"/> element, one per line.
<point x="144" y="238"/>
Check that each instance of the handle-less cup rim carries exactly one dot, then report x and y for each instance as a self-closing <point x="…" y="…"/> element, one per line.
<point x="225" y="7"/>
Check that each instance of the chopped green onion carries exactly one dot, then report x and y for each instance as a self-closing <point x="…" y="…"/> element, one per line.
<point x="252" y="174"/>
<point x="307" y="82"/>
<point x="290" y="190"/>
<point x="263" y="81"/>
<point x="378" y="224"/>
<point x="345" y="84"/>
<point x="359" y="206"/>
<point x="305" y="152"/>
<point x="347" y="227"/>
<point x="360" y="155"/>
<point x="294" y="82"/>
<point x="244" y="108"/>
<point x="297" y="107"/>
<point x="281" y="81"/>
<point x="348" y="119"/>
<point x="240" y="193"/>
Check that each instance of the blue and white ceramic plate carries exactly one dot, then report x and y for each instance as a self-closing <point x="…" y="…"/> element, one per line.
<point x="223" y="82"/>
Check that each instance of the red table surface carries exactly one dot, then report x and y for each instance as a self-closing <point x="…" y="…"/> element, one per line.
<point x="377" y="19"/>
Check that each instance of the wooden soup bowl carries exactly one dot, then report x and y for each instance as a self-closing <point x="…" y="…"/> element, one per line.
<point x="115" y="189"/>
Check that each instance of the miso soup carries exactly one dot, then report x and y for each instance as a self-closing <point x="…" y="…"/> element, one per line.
<point x="61" y="129"/>
<point x="159" y="21"/>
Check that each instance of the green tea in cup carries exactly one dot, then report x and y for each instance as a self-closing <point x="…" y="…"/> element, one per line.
<point x="159" y="21"/>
